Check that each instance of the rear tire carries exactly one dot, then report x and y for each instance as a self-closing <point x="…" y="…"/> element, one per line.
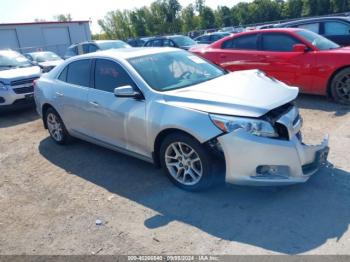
<point x="340" y="87"/>
<point x="56" y="127"/>
<point x="187" y="163"/>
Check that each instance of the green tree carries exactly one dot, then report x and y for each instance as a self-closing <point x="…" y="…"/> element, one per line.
<point x="339" y="6"/>
<point x="63" y="17"/>
<point x="116" y="25"/>
<point x="188" y="19"/>
<point x="138" y="22"/>
<point x="292" y="9"/>
<point x="223" y="16"/>
<point x="207" y="18"/>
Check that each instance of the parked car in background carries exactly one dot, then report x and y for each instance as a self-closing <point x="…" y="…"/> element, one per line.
<point x="295" y="56"/>
<point x="173" y="108"/>
<point x="93" y="46"/>
<point x="232" y="29"/>
<point x="210" y="38"/>
<point x="16" y="80"/>
<point x="336" y="29"/>
<point x="178" y="41"/>
<point x="138" y="42"/>
<point x="266" y="26"/>
<point x="45" y="60"/>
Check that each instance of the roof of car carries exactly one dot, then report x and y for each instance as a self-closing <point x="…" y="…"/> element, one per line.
<point x="165" y="37"/>
<point x="269" y="30"/>
<point x="314" y="19"/>
<point x="127" y="53"/>
<point x="38" y="52"/>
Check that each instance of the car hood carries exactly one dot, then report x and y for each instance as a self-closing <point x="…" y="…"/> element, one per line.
<point x="50" y="63"/>
<point x="7" y="76"/>
<point x="247" y="93"/>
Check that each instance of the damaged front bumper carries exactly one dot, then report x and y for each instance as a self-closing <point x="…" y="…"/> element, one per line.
<point x="261" y="161"/>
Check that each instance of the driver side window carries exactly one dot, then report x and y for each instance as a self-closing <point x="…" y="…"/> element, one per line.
<point x="109" y="75"/>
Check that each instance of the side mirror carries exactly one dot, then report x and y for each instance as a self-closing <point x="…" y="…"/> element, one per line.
<point x="300" y="48"/>
<point x="127" y="91"/>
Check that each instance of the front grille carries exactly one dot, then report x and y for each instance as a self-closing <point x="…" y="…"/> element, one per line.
<point x="24" y="90"/>
<point x="23" y="81"/>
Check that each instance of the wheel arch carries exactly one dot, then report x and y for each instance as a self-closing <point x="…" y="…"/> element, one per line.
<point x="159" y="139"/>
<point x="329" y="93"/>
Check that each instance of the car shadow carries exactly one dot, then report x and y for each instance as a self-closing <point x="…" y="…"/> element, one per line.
<point x="290" y="220"/>
<point x="322" y="103"/>
<point x="16" y="117"/>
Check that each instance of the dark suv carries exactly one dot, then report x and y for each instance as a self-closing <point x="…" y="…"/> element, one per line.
<point x="335" y="28"/>
<point x="93" y="46"/>
<point x="179" y="41"/>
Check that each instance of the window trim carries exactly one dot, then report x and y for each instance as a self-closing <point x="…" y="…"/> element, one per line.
<point x="93" y="75"/>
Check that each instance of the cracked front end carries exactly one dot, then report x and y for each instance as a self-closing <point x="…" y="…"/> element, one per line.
<point x="276" y="160"/>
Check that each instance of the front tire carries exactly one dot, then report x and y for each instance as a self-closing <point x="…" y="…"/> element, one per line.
<point x="340" y="87"/>
<point x="56" y="127"/>
<point x="187" y="163"/>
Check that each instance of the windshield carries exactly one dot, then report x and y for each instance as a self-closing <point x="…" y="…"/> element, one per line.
<point x="11" y="59"/>
<point x="183" y="41"/>
<point x="174" y="70"/>
<point x="112" y="44"/>
<point x="320" y="42"/>
<point x="45" y="56"/>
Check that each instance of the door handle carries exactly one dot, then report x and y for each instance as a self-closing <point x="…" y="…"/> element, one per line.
<point x="95" y="104"/>
<point x="222" y="56"/>
<point x="59" y="94"/>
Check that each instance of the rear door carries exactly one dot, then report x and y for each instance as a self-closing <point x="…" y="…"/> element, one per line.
<point x="238" y="53"/>
<point x="72" y="93"/>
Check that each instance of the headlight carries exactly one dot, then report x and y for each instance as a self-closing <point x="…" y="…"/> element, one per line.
<point x="3" y="87"/>
<point x="254" y="126"/>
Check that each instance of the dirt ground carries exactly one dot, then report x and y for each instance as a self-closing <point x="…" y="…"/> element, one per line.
<point x="51" y="196"/>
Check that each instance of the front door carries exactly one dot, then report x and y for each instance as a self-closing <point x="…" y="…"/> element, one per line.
<point x="114" y="120"/>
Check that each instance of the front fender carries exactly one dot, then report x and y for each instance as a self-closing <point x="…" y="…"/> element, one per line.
<point x="164" y="116"/>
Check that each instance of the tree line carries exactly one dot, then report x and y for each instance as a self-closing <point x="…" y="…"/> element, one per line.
<point x="169" y="17"/>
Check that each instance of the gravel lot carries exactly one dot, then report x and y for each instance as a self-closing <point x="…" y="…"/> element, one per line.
<point x="51" y="196"/>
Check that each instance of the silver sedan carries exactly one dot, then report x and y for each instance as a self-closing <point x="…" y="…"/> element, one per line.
<point x="199" y="123"/>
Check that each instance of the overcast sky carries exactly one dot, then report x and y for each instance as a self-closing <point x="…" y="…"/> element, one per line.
<point x="17" y="11"/>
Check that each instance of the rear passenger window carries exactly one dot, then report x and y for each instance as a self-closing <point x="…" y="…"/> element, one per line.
<point x="157" y="42"/>
<point x="336" y="28"/>
<point x="92" y="48"/>
<point x="168" y="42"/>
<point x="278" y="42"/>
<point x="109" y="75"/>
<point x="63" y="75"/>
<point x="314" y="27"/>
<point x="246" y="42"/>
<point x="79" y="73"/>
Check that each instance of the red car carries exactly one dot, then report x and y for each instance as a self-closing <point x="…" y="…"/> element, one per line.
<point x="295" y="56"/>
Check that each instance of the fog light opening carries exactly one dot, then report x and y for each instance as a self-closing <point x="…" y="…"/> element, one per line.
<point x="272" y="171"/>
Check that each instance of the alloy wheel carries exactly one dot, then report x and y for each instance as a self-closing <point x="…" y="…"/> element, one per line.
<point x="183" y="163"/>
<point x="342" y="87"/>
<point x="55" y="127"/>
